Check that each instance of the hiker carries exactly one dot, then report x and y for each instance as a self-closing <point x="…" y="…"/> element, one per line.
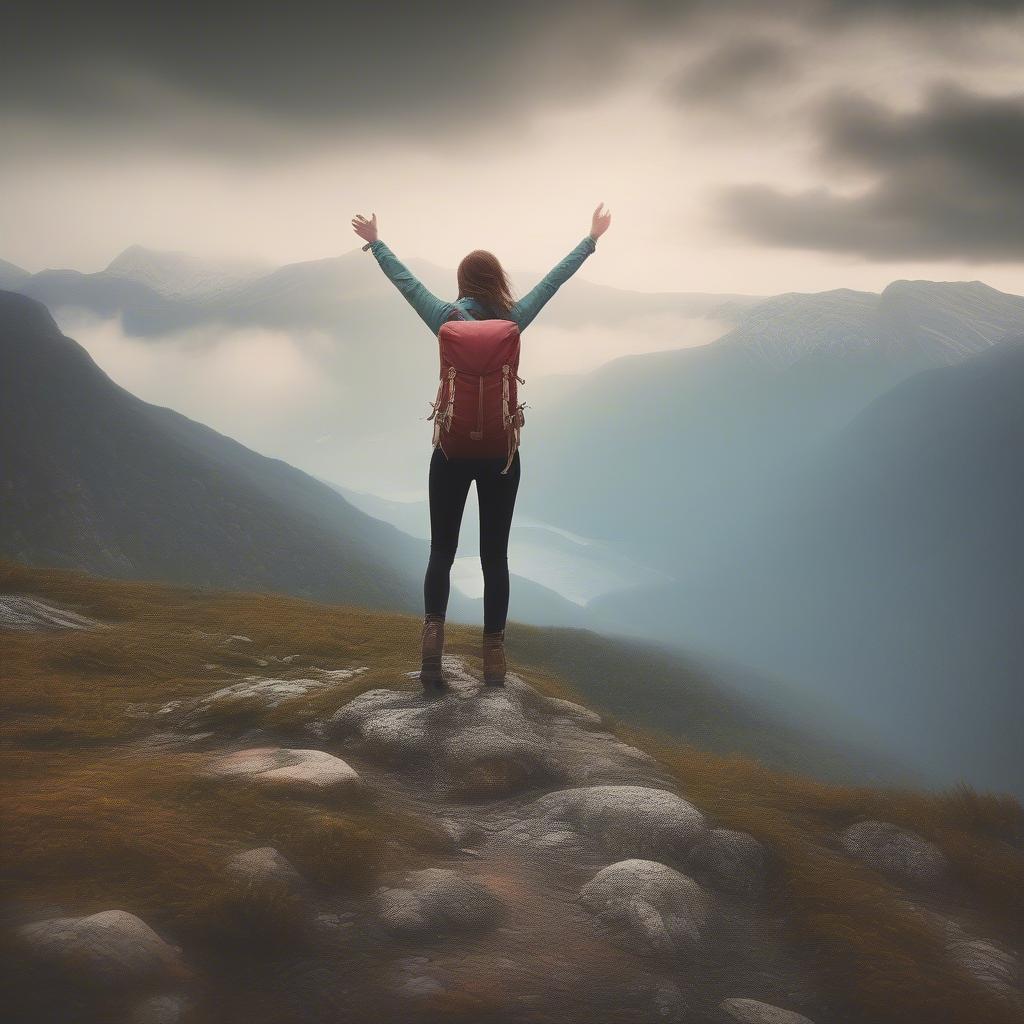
<point x="477" y="419"/>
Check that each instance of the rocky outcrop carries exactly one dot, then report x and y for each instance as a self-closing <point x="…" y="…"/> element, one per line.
<point x="267" y="691"/>
<point x="750" y="1011"/>
<point x="734" y="861"/>
<point x="661" y="907"/>
<point x="29" y="613"/>
<point x="624" y="821"/>
<point x="896" y="852"/>
<point x="437" y="900"/>
<point x="486" y="742"/>
<point x="113" y="948"/>
<point x="302" y="769"/>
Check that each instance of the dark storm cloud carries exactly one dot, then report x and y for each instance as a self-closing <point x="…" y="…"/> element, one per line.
<point x="734" y="68"/>
<point x="948" y="183"/>
<point x="255" y="76"/>
<point x="304" y="68"/>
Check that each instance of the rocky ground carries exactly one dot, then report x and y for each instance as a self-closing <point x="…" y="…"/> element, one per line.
<point x="577" y="882"/>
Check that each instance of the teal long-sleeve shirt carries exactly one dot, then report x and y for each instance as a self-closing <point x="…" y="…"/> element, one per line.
<point x="434" y="311"/>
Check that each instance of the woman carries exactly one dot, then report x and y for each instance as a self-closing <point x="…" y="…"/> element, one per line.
<point x="484" y="293"/>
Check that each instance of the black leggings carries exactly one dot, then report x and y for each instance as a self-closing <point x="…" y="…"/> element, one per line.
<point x="496" y="493"/>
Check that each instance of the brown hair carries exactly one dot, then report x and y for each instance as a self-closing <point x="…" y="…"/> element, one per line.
<point x="482" y="277"/>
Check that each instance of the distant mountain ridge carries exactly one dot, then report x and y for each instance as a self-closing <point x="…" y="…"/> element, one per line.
<point x="702" y="434"/>
<point x="180" y="275"/>
<point x="942" y="321"/>
<point x="889" y="574"/>
<point x="374" y="361"/>
<point x="176" y="290"/>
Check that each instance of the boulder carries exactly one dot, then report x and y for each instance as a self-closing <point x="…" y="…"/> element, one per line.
<point x="625" y="821"/>
<point x="437" y="900"/>
<point x="750" y="1011"/>
<point x="303" y="769"/>
<point x="483" y="760"/>
<point x="735" y="861"/>
<point x="272" y="692"/>
<point x="895" y="851"/>
<point x="113" y="948"/>
<point x="664" y="909"/>
<point x="392" y="722"/>
<point x="265" y="868"/>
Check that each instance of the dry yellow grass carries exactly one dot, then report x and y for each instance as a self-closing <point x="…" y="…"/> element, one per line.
<point x="878" y="956"/>
<point x="95" y="821"/>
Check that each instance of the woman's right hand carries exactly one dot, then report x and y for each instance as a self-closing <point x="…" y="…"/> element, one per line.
<point x="365" y="229"/>
<point x="599" y="222"/>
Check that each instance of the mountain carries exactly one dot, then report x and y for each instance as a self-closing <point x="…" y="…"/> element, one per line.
<point x="95" y="478"/>
<point x="326" y="293"/>
<point x="11" y="276"/>
<point x="369" y="365"/>
<point x="668" y="454"/>
<point x="890" y="574"/>
<point x="180" y="275"/>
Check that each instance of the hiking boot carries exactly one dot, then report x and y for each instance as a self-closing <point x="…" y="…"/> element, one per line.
<point x="494" y="658"/>
<point x="432" y="642"/>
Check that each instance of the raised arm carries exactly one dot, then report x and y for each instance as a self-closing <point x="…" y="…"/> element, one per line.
<point x="533" y="302"/>
<point x="432" y="310"/>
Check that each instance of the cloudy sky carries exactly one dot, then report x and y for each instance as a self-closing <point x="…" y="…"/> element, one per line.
<point x="750" y="147"/>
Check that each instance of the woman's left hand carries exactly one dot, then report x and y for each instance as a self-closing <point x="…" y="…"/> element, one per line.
<point x="365" y="229"/>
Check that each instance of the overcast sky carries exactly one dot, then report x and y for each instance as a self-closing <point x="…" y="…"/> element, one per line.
<point x="748" y="147"/>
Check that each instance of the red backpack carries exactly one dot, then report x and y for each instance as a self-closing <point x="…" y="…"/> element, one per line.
<point x="477" y="413"/>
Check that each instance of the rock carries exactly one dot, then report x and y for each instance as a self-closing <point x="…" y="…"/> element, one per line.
<point x="570" y="710"/>
<point x="993" y="968"/>
<point x="734" y="860"/>
<point x="29" y="613"/>
<point x="666" y="910"/>
<point x="265" y="868"/>
<point x="750" y="1011"/>
<point x="236" y="638"/>
<point x="483" y="760"/>
<point x="393" y="722"/>
<point x="436" y="900"/>
<point x="895" y="851"/>
<point x="495" y="750"/>
<point x="306" y="769"/>
<point x="626" y="821"/>
<point x="165" y="1009"/>
<point x="268" y="692"/>
<point x="113" y="947"/>
<point x="489" y="741"/>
